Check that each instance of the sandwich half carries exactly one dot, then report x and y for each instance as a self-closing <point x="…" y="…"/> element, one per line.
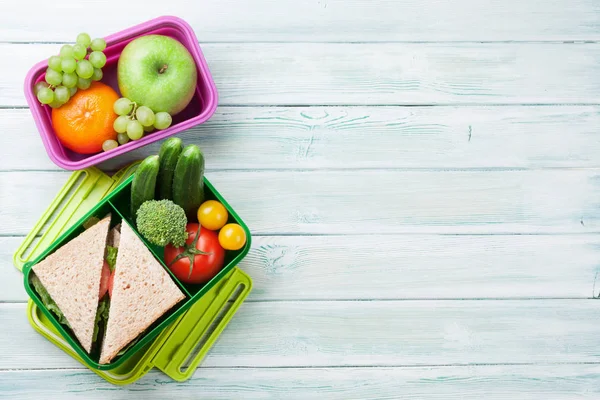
<point x="71" y="277"/>
<point x="142" y="291"/>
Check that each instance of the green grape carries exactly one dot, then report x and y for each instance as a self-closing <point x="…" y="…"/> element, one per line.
<point x="38" y="86"/>
<point x="98" y="59"/>
<point x="54" y="63"/>
<point x="83" y="83"/>
<point x="145" y="115"/>
<point x="68" y="64"/>
<point x="98" y="45"/>
<point x="53" y="78"/>
<point x="62" y="94"/>
<point x="69" y="80"/>
<point x="84" y="39"/>
<point x="163" y="120"/>
<point x="123" y="106"/>
<point x="66" y="51"/>
<point x="148" y="128"/>
<point x="120" y="124"/>
<point x="135" y="130"/>
<point x="73" y="90"/>
<point x="79" y="52"/>
<point x="97" y="74"/>
<point x="109" y="145"/>
<point x="85" y="69"/>
<point x="46" y="96"/>
<point x="55" y="104"/>
<point x="122" y="137"/>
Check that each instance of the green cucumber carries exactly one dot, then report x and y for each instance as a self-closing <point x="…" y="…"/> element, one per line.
<point x="143" y="185"/>
<point x="168" y="156"/>
<point x="188" y="182"/>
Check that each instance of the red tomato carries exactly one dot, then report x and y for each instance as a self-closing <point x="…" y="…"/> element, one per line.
<point x="207" y="254"/>
<point x="104" y="280"/>
<point x="111" y="281"/>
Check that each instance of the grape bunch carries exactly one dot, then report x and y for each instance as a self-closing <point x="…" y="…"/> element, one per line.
<point x="133" y="121"/>
<point x="74" y="68"/>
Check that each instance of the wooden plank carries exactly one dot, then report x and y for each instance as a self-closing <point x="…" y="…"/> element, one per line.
<point x="11" y="280"/>
<point x="360" y="137"/>
<point x="401" y="267"/>
<point x="375" y="73"/>
<point x="327" y="20"/>
<point x="368" y="202"/>
<point x="422" y="266"/>
<point x="555" y="382"/>
<point x="368" y="333"/>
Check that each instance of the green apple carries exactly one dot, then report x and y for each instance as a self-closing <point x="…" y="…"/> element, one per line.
<point x="158" y="72"/>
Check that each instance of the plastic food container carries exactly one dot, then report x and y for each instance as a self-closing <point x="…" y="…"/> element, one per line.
<point x="200" y="109"/>
<point x="117" y="202"/>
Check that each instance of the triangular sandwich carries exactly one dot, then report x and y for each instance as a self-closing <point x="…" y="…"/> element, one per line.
<point x="71" y="276"/>
<point x="142" y="292"/>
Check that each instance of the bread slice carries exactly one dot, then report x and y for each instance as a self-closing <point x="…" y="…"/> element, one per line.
<point x="142" y="292"/>
<point x="71" y="275"/>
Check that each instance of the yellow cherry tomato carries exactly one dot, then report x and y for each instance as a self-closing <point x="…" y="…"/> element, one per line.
<point x="232" y="237"/>
<point x="212" y="215"/>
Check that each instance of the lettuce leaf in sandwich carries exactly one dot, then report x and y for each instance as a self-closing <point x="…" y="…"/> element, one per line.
<point x="111" y="257"/>
<point x="47" y="300"/>
<point x="101" y="316"/>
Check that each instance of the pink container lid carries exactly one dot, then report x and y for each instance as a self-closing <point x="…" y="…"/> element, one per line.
<point x="200" y="109"/>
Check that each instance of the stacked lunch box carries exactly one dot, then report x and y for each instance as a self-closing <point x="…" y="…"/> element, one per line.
<point x="178" y="341"/>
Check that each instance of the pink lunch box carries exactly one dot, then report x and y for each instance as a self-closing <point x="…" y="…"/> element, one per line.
<point x="199" y="110"/>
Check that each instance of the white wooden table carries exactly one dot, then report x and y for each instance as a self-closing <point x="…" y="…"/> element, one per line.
<point x="421" y="179"/>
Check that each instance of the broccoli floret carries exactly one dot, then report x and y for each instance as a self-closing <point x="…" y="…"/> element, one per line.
<point x="162" y="222"/>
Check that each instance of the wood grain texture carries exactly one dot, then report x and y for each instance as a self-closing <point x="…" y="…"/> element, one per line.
<point x="11" y="279"/>
<point x="368" y="202"/>
<point x="375" y="74"/>
<point x="360" y="137"/>
<point x="414" y="252"/>
<point x="555" y="382"/>
<point x="324" y="20"/>
<point x="423" y="266"/>
<point x="401" y="267"/>
<point x="368" y="333"/>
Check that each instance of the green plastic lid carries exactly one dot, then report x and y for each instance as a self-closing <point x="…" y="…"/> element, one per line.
<point x="180" y="347"/>
<point x="82" y="191"/>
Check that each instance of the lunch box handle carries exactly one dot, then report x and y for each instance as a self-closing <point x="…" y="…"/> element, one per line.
<point x="193" y="337"/>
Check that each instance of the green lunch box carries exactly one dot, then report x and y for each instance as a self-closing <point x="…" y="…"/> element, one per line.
<point x="177" y="342"/>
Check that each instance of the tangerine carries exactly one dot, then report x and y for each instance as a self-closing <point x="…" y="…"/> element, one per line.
<point x="86" y="120"/>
